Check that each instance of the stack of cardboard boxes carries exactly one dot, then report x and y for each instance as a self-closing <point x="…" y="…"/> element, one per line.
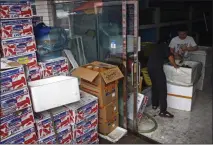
<point x="101" y="80"/>
<point x="76" y="123"/>
<point x="16" y="115"/>
<point x="17" y="43"/>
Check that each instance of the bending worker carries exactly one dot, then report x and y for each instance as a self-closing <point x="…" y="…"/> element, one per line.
<point x="158" y="78"/>
<point x="182" y="44"/>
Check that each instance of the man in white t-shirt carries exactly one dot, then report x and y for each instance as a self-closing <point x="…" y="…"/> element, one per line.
<point x="182" y="44"/>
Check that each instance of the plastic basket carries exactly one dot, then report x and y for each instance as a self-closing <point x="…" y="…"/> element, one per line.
<point x="146" y="77"/>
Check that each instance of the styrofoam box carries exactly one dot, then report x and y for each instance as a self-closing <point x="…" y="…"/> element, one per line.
<point x="54" y="92"/>
<point x="181" y="97"/>
<point x="203" y="55"/>
<point x="182" y="75"/>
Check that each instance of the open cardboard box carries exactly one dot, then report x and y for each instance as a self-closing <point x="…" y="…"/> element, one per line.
<point x="99" y="79"/>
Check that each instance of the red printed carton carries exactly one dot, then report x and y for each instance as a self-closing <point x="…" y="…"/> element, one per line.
<point x="16" y="122"/>
<point x="43" y="124"/>
<point x="34" y="73"/>
<point x="29" y="59"/>
<point x="85" y="126"/>
<point x="51" y="139"/>
<point x="14" y="101"/>
<point x="16" y="28"/>
<point x="55" y="67"/>
<point x="65" y="136"/>
<point x="12" y="79"/>
<point x="11" y="10"/>
<point x="27" y="136"/>
<point x="61" y="117"/>
<point x="88" y="138"/>
<point x="17" y="46"/>
<point x="88" y="105"/>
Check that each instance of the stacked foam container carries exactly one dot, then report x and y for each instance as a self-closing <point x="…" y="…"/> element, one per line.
<point x="17" y="43"/>
<point x="71" y="124"/>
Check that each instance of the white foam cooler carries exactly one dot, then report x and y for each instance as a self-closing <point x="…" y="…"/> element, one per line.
<point x="54" y="92"/>
<point x="183" y="76"/>
<point x="181" y="97"/>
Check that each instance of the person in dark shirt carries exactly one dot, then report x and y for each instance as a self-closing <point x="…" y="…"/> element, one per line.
<point x="158" y="78"/>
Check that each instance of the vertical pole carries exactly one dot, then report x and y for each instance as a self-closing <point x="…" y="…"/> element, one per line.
<point x="136" y="23"/>
<point x="124" y="34"/>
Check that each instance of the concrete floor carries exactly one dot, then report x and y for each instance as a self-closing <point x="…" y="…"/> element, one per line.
<point x="186" y="127"/>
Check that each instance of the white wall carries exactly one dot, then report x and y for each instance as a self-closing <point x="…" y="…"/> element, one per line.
<point x="44" y="8"/>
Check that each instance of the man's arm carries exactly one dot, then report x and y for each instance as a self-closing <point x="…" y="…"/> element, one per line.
<point x="172" y="61"/>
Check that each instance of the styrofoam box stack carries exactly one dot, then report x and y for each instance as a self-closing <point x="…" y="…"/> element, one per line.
<point x="203" y="55"/>
<point x="16" y="115"/>
<point x="75" y="123"/>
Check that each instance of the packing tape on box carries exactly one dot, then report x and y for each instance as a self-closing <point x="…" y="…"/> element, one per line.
<point x="54" y="127"/>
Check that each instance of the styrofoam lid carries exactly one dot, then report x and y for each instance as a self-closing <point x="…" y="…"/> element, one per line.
<point x="50" y="80"/>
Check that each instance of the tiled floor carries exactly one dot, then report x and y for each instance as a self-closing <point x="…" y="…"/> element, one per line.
<point x="186" y="127"/>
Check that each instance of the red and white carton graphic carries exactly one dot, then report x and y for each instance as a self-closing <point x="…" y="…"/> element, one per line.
<point x="17" y="46"/>
<point x="88" y="105"/>
<point x="12" y="79"/>
<point x="27" y="136"/>
<point x="55" y="67"/>
<point x="43" y="124"/>
<point x="51" y="139"/>
<point x="95" y="142"/>
<point x="11" y="10"/>
<point x="61" y="117"/>
<point x="34" y="73"/>
<point x="29" y="59"/>
<point x="14" y="101"/>
<point x="16" y="28"/>
<point x="85" y="126"/>
<point x="88" y="138"/>
<point x="16" y="122"/>
<point x="65" y="136"/>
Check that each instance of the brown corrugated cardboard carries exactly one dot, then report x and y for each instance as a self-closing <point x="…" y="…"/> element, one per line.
<point x="99" y="79"/>
<point x="106" y="113"/>
<point x="106" y="127"/>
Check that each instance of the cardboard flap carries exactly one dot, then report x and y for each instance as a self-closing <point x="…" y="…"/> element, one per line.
<point x="112" y="75"/>
<point x="85" y="74"/>
<point x="102" y="65"/>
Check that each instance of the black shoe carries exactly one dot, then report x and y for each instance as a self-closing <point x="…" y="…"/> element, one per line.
<point x="154" y="107"/>
<point x="166" y="114"/>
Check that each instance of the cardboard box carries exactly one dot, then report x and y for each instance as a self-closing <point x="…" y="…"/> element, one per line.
<point x="16" y="122"/>
<point x="27" y="136"/>
<point x="12" y="76"/>
<point x="57" y="91"/>
<point x="65" y="136"/>
<point x="11" y="10"/>
<point x="99" y="79"/>
<point x="88" y="138"/>
<point x="106" y="113"/>
<point x="142" y="101"/>
<point x="16" y="28"/>
<point x="18" y="46"/>
<point x="29" y="59"/>
<point x="88" y="105"/>
<point x="106" y="127"/>
<point x="61" y="117"/>
<point x="86" y="125"/>
<point x="44" y="125"/>
<point x="14" y="101"/>
<point x="34" y="73"/>
<point x="55" y="67"/>
<point x="51" y="139"/>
